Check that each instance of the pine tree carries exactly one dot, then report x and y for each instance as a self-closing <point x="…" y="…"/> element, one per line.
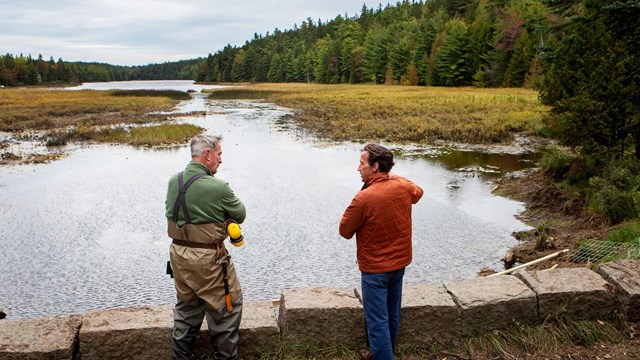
<point x="452" y="61"/>
<point x="276" y="69"/>
<point x="375" y="58"/>
<point x="592" y="79"/>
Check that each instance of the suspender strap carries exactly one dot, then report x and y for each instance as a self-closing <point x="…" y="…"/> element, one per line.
<point x="181" y="201"/>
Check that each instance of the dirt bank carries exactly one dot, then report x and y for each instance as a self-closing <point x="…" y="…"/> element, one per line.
<point x="559" y="220"/>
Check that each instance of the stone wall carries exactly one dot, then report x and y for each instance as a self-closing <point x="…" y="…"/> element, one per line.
<point x="431" y="314"/>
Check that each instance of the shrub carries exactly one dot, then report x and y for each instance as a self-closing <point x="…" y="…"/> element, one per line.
<point x="615" y="193"/>
<point x="556" y="163"/>
<point x="615" y="205"/>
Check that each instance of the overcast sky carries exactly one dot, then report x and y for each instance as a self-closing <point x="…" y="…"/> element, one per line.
<point x="139" y="32"/>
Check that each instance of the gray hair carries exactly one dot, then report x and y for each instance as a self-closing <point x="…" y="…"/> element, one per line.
<point x="200" y="143"/>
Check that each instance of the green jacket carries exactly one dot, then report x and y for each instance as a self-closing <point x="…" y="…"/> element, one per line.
<point x="209" y="199"/>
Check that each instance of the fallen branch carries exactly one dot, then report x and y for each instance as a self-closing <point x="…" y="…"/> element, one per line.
<point x="550" y="256"/>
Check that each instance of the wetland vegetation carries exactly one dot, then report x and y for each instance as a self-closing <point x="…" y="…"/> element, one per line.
<point x="40" y="109"/>
<point x="403" y="113"/>
<point x="57" y="117"/>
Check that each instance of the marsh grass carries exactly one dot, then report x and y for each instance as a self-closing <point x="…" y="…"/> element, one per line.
<point x="152" y="135"/>
<point x="171" y="94"/>
<point x="162" y="134"/>
<point x="40" y="109"/>
<point x="102" y="116"/>
<point x="546" y="339"/>
<point x="402" y="113"/>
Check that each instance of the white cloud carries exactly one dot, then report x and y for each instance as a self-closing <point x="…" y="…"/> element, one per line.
<point x="132" y="32"/>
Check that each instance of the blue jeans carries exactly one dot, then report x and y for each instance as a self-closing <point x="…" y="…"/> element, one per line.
<point x="382" y="298"/>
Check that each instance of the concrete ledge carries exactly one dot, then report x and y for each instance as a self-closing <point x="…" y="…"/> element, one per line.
<point x="127" y="333"/>
<point x="259" y="329"/>
<point x="145" y="332"/>
<point x="429" y="315"/>
<point x="576" y="293"/>
<point x="48" y="338"/>
<point x="321" y="317"/>
<point x="624" y="275"/>
<point x="493" y="303"/>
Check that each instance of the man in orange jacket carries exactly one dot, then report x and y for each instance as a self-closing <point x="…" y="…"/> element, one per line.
<point x="380" y="217"/>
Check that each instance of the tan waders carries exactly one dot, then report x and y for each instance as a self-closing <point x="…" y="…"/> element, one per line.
<point x="223" y="328"/>
<point x="197" y="256"/>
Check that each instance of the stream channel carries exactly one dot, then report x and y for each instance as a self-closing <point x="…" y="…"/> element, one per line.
<point x="88" y="231"/>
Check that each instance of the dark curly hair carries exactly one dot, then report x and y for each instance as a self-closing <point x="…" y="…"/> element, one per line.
<point x="381" y="155"/>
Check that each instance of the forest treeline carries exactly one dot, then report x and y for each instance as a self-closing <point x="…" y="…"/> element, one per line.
<point x="25" y="70"/>
<point x="497" y="43"/>
<point x="581" y="55"/>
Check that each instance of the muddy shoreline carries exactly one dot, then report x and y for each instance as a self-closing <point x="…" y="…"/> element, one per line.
<point x="558" y="221"/>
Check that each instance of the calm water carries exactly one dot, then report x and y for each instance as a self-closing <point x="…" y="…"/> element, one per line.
<point x="88" y="231"/>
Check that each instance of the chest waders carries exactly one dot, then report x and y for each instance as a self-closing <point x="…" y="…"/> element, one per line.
<point x="181" y="202"/>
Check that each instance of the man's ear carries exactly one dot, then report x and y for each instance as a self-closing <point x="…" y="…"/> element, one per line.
<point x="375" y="167"/>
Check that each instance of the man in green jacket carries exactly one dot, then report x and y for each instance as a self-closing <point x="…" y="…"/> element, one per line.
<point x="198" y="207"/>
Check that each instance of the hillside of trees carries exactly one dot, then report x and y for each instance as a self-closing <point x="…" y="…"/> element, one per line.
<point x="21" y="70"/>
<point x="497" y="43"/>
<point x="582" y="56"/>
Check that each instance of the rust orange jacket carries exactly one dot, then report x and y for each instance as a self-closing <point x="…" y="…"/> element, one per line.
<point x="380" y="217"/>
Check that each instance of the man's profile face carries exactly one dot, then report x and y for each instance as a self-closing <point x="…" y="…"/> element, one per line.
<point x="213" y="158"/>
<point x="364" y="168"/>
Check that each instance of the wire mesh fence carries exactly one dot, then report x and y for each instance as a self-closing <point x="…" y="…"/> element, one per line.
<point x="597" y="251"/>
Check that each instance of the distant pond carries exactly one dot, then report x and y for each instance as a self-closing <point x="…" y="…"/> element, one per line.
<point x="87" y="231"/>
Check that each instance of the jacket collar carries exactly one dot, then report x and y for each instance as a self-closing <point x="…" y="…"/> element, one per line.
<point x="200" y="166"/>
<point x="375" y="178"/>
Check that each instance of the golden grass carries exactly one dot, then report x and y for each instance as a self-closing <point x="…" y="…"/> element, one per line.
<point x="94" y="115"/>
<point x="402" y="113"/>
<point x="150" y="135"/>
<point x="28" y="108"/>
<point x="172" y="94"/>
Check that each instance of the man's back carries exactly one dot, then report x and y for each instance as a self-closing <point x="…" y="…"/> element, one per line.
<point x="209" y="199"/>
<point x="380" y="216"/>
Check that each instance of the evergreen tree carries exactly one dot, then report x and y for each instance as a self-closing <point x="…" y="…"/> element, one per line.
<point x="592" y="79"/>
<point x="375" y="57"/>
<point x="262" y="70"/>
<point x="400" y="58"/>
<point x="237" y="69"/>
<point x="61" y="71"/>
<point x="481" y="35"/>
<point x="43" y="69"/>
<point x="276" y="69"/>
<point x="452" y="61"/>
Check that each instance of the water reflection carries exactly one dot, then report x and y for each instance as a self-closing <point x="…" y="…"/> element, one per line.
<point x="477" y="162"/>
<point x="88" y="231"/>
